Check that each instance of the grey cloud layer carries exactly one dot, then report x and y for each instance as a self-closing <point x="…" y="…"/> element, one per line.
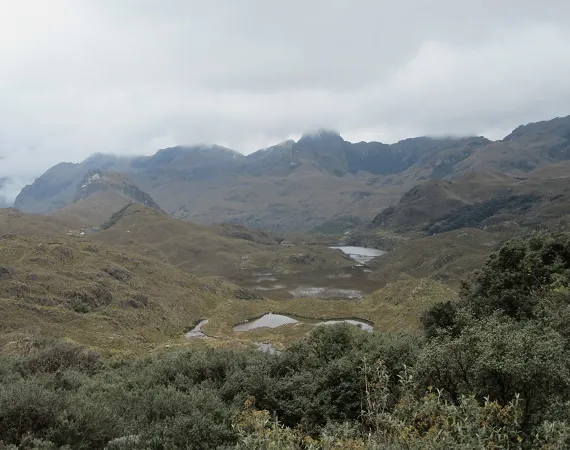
<point x="132" y="76"/>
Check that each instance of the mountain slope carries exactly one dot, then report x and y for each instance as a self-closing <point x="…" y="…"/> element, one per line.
<point x="15" y="222"/>
<point x="297" y="186"/>
<point x="214" y="250"/>
<point x="527" y="148"/>
<point x="101" y="194"/>
<point x="98" y="295"/>
<point x="539" y="200"/>
<point x="58" y="186"/>
<point x="447" y="257"/>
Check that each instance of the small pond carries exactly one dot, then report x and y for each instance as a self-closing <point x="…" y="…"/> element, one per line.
<point x="271" y="320"/>
<point x="196" y="332"/>
<point x="346" y="283"/>
<point x="325" y="292"/>
<point x="360" y="254"/>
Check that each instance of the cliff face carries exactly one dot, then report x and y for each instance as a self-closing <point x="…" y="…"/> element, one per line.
<point x="100" y="195"/>
<point x="97" y="182"/>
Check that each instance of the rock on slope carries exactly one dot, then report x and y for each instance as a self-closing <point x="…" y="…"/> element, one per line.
<point x="101" y="194"/>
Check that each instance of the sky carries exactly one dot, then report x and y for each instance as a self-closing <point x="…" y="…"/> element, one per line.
<point x="134" y="76"/>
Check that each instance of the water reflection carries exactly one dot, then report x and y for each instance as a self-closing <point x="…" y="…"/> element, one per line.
<point x="271" y="320"/>
<point x="360" y="254"/>
<point x="196" y="332"/>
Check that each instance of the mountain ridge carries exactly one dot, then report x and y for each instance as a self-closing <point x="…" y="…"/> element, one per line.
<point x="99" y="195"/>
<point x="295" y="186"/>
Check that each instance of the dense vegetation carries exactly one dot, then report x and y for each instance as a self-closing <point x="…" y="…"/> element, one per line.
<point x="491" y="370"/>
<point x="471" y="216"/>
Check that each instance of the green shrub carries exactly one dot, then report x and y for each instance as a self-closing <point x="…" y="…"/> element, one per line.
<point x="441" y="317"/>
<point x="499" y="358"/>
<point x="29" y="407"/>
<point x="60" y="356"/>
<point x="517" y="277"/>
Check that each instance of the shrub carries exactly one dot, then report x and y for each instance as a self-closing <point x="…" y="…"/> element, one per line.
<point x="499" y="359"/>
<point x="441" y="317"/>
<point x="519" y="275"/>
<point x="60" y="356"/>
<point x="28" y="407"/>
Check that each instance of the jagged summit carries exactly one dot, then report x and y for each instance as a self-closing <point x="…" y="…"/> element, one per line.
<point x="322" y="135"/>
<point x="296" y="185"/>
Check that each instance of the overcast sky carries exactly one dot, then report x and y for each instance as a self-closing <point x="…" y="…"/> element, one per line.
<point x="133" y="76"/>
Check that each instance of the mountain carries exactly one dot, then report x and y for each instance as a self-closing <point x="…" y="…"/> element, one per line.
<point x="428" y="201"/>
<point x="59" y="185"/>
<point x="538" y="200"/>
<point x="527" y="148"/>
<point x="101" y="194"/>
<point x="292" y="186"/>
<point x="296" y="186"/>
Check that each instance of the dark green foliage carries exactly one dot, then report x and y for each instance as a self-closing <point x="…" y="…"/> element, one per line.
<point x="61" y="356"/>
<point x="440" y="317"/>
<point x="500" y="358"/>
<point x="520" y="275"/>
<point x="471" y="216"/>
<point x="495" y="367"/>
<point x="28" y="407"/>
<point x="66" y="397"/>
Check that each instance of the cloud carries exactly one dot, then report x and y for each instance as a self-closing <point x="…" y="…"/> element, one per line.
<point x="80" y="77"/>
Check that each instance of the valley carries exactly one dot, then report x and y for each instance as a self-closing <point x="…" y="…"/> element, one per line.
<point x="303" y="225"/>
<point x="115" y="253"/>
<point x="203" y="286"/>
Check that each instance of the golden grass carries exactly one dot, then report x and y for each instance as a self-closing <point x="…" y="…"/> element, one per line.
<point x="133" y="302"/>
<point x="116" y="300"/>
<point x="208" y="250"/>
<point x="395" y="307"/>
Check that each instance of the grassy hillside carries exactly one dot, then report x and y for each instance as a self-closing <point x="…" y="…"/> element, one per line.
<point x="395" y="307"/>
<point x="96" y="295"/>
<point x="446" y="257"/>
<point x="118" y="301"/>
<point x="491" y="370"/>
<point x="219" y="250"/>
<point x="16" y="222"/>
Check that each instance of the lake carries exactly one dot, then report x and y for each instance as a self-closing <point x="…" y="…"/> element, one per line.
<point x="271" y="320"/>
<point x="196" y="332"/>
<point x="360" y="254"/>
<point x="349" y="283"/>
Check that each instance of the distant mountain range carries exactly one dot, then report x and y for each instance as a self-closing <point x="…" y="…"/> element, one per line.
<point x="295" y="186"/>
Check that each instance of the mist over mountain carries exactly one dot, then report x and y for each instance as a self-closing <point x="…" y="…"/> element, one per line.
<point x="292" y="225"/>
<point x="297" y="185"/>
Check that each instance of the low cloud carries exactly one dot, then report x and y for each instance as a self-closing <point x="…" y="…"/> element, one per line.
<point x="130" y="77"/>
